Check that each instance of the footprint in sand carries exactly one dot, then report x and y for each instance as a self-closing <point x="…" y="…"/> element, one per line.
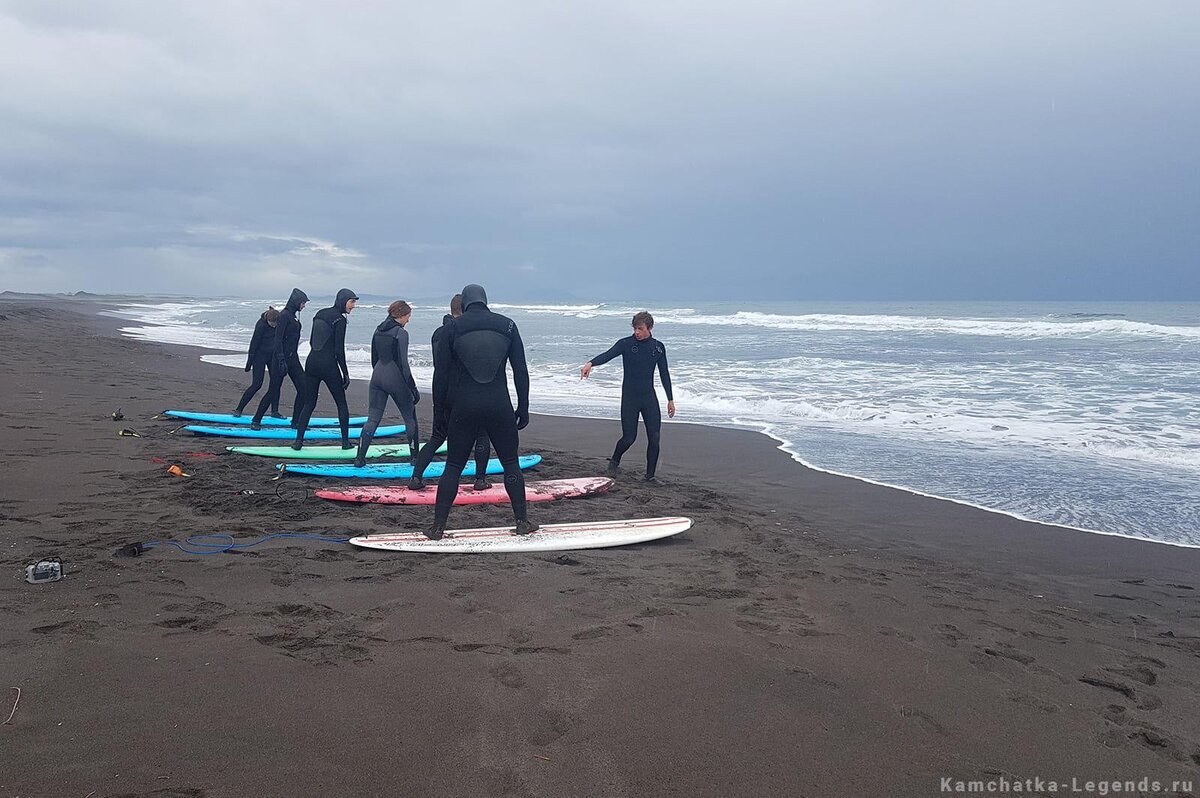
<point x="1153" y="739"/>
<point x="82" y="628"/>
<point x="1019" y="697"/>
<point x="889" y="631"/>
<point x="950" y="634"/>
<point x="925" y="720"/>
<point x="508" y="675"/>
<point x="552" y="725"/>
<point x="593" y="633"/>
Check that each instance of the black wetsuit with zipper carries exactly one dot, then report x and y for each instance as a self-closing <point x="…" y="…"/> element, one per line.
<point x="476" y="348"/>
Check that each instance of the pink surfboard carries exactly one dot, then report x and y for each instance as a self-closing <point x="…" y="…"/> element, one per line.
<point x="541" y="491"/>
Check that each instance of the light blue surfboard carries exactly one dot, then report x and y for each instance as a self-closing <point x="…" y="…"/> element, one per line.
<point x="289" y="434"/>
<point x="334" y="452"/>
<point x="267" y="421"/>
<point x="396" y="470"/>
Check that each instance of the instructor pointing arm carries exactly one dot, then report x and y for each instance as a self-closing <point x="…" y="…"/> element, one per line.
<point x="641" y="354"/>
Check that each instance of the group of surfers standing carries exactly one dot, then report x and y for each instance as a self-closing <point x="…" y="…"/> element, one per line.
<point x="473" y="350"/>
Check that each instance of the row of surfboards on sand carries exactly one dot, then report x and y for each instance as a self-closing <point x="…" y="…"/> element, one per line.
<point x="332" y="461"/>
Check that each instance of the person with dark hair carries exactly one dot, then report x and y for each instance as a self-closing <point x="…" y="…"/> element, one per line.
<point x="474" y="387"/>
<point x="437" y="435"/>
<point x="391" y="375"/>
<point x="640" y="353"/>
<point x="285" y="359"/>
<point x="258" y="359"/>
<point x="327" y="364"/>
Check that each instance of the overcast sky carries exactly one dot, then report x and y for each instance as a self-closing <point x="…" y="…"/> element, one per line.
<point x="633" y="149"/>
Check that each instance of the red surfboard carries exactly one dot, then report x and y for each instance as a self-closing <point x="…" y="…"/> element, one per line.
<point x="541" y="491"/>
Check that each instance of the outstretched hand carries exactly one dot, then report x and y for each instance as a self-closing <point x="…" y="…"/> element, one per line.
<point x="671" y="408"/>
<point x="522" y="419"/>
<point x="586" y="370"/>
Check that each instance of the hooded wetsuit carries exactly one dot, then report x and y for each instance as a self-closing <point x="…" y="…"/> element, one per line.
<point x="258" y="359"/>
<point x="437" y="435"/>
<point x="640" y="358"/>
<point x="475" y="348"/>
<point x="284" y="360"/>
<point x="392" y="377"/>
<point x="327" y="363"/>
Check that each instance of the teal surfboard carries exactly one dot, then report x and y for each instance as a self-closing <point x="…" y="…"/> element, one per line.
<point x="267" y="421"/>
<point x="325" y="452"/>
<point x="289" y="434"/>
<point x="396" y="470"/>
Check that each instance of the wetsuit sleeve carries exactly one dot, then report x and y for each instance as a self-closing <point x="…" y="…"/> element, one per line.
<point x="374" y="352"/>
<point x="282" y="330"/>
<point x="402" y="358"/>
<point x="664" y="373"/>
<point x="339" y="343"/>
<point x="516" y="357"/>
<point x="617" y="349"/>
<point x="256" y="341"/>
<point x="442" y="365"/>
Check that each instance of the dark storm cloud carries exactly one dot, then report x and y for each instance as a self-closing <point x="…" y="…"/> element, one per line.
<point x="870" y="150"/>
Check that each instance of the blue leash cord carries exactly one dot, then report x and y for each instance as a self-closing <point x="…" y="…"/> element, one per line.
<point x="221" y="543"/>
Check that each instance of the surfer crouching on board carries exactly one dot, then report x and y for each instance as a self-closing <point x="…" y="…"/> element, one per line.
<point x="640" y="353"/>
<point x="441" y="417"/>
<point x="474" y="388"/>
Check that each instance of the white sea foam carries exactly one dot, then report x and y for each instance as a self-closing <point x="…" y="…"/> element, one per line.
<point x="547" y="308"/>
<point x="596" y="311"/>
<point x="1017" y="328"/>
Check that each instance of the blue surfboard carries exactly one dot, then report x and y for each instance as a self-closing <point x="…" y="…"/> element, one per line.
<point x="396" y="470"/>
<point x="267" y="421"/>
<point x="289" y="434"/>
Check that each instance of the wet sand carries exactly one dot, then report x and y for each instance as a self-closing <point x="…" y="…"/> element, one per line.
<point x="810" y="635"/>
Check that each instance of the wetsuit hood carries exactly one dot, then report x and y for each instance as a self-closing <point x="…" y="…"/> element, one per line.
<point x="474" y="294"/>
<point x="343" y="296"/>
<point x="297" y="299"/>
<point x="387" y="324"/>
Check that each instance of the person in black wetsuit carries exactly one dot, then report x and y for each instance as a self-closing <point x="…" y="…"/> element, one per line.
<point x="258" y="359"/>
<point x="327" y="364"/>
<point x="441" y="419"/>
<point x="474" y="387"/>
<point x="285" y="359"/>
<point x="640" y="353"/>
<point x="391" y="376"/>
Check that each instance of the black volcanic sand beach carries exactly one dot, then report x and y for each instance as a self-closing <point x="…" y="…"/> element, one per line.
<point x="810" y="635"/>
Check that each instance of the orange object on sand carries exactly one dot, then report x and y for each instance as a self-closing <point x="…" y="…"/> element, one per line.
<point x="177" y="471"/>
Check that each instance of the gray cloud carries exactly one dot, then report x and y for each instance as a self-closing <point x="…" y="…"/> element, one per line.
<point x="619" y="149"/>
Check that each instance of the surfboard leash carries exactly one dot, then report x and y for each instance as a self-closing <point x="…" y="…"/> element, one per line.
<point x="219" y="543"/>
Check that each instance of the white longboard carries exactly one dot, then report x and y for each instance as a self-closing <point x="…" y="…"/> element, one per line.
<point x="551" y="537"/>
